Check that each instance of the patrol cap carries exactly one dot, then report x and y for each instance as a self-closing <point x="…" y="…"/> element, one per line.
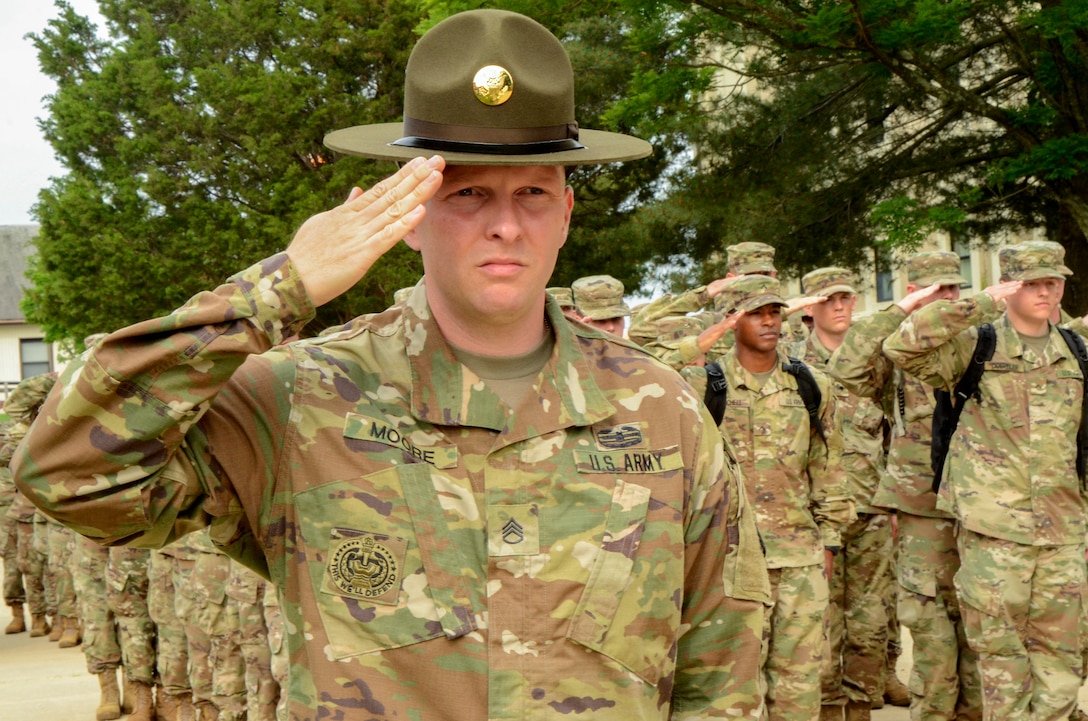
<point x="1033" y="260"/>
<point x="674" y="328"/>
<point x="935" y="266"/>
<point x="751" y="292"/>
<point x="488" y="87"/>
<point x="563" y="296"/>
<point x="744" y="258"/>
<point x="599" y="297"/>
<point x="825" y="282"/>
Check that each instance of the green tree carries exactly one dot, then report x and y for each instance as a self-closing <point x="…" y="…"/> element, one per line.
<point x="838" y="125"/>
<point x="192" y="134"/>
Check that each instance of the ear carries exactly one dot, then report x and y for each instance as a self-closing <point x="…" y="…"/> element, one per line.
<point x="568" y="199"/>
<point x="412" y="240"/>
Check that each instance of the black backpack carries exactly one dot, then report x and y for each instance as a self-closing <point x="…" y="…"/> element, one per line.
<point x="717" y="387"/>
<point x="946" y="413"/>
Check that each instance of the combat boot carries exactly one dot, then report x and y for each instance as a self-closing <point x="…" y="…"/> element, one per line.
<point x="109" y="707"/>
<point x="830" y="713"/>
<point x="168" y="707"/>
<point x="18" y="620"/>
<point x="186" y="710"/>
<point x="128" y="693"/>
<point x="57" y="628"/>
<point x="207" y="710"/>
<point x="143" y="708"/>
<point x="39" y="626"/>
<point x="895" y="692"/>
<point x="858" y="711"/>
<point x="73" y="635"/>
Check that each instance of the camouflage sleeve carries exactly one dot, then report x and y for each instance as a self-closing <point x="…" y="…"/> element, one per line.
<point x="934" y="344"/>
<point x="26" y="398"/>
<point x="831" y="502"/>
<point x="859" y="363"/>
<point x="642" y="329"/>
<point x="717" y="664"/>
<point x="113" y="459"/>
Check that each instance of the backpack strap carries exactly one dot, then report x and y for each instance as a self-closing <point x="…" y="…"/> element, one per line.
<point x="810" y="393"/>
<point x="948" y="408"/>
<point x="716" y="387"/>
<point x="1080" y="352"/>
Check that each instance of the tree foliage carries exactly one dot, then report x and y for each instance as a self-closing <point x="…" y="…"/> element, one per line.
<point x="836" y="125"/>
<point x="192" y="135"/>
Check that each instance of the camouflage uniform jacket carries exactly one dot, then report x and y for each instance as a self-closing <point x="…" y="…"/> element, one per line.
<point x="861" y="425"/>
<point x="860" y="365"/>
<point x="643" y="323"/>
<point x="591" y="550"/>
<point x="795" y="480"/>
<point x="1011" y="466"/>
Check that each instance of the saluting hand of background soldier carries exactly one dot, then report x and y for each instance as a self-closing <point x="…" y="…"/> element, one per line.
<point x="1001" y="291"/>
<point x="334" y="249"/>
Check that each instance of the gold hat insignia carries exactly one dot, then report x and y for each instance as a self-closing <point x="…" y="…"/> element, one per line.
<point x="492" y="85"/>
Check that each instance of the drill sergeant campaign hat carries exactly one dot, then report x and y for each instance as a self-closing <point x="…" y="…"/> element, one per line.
<point x="674" y="328"/>
<point x="599" y="297"/>
<point x="488" y="87"/>
<point x="744" y="258"/>
<point x="936" y="266"/>
<point x="751" y="292"/>
<point x="563" y="296"/>
<point x="1033" y="260"/>
<point x="825" y="282"/>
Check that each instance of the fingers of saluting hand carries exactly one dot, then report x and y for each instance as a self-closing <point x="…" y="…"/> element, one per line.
<point x="334" y="249"/>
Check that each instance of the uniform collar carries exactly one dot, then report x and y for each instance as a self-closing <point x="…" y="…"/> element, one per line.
<point x="566" y="391"/>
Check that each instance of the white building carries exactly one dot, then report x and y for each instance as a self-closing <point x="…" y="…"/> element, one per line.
<point x="23" y="350"/>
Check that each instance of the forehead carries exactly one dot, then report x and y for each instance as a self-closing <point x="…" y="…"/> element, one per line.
<point x="493" y="174"/>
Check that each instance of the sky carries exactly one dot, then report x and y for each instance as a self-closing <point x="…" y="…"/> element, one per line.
<point x="28" y="162"/>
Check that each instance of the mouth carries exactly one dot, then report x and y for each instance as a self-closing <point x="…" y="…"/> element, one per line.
<point x="501" y="267"/>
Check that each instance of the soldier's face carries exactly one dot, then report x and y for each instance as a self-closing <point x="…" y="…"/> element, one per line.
<point x="759" y="329"/>
<point x="834" y="314"/>
<point x="489" y="242"/>
<point x="608" y="325"/>
<point x="1036" y="300"/>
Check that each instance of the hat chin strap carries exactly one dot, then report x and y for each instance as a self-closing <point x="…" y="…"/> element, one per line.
<point x="501" y="141"/>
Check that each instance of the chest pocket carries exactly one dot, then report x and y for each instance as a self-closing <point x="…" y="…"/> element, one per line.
<point x="629" y="608"/>
<point x="381" y="526"/>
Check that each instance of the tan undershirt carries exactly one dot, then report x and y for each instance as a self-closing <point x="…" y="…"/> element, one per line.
<point x="1036" y="343"/>
<point x="510" y="378"/>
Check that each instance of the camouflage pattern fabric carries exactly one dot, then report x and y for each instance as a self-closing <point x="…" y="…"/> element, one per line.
<point x="280" y="663"/>
<point x="1010" y="480"/>
<point x="750" y="257"/>
<point x="247" y="590"/>
<point x="188" y="605"/>
<point x="219" y="619"/>
<point x="1001" y="584"/>
<point x="794" y="643"/>
<point x="944" y="682"/>
<point x="802" y="505"/>
<point x="172" y="649"/>
<point x="9" y="542"/>
<point x="599" y="297"/>
<point x="32" y="566"/>
<point x="943" y="679"/>
<point x="61" y="543"/>
<point x="126" y="587"/>
<point x="860" y="584"/>
<point x="101" y="645"/>
<point x="40" y="543"/>
<point x="643" y="326"/>
<point x="428" y="541"/>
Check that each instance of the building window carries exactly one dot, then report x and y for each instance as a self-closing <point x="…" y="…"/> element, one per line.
<point x="962" y="248"/>
<point x="34" y="357"/>
<point x="885" y="283"/>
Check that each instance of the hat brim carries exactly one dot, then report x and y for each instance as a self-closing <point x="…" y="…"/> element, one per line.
<point x="926" y="281"/>
<point x="1040" y="272"/>
<point x="833" y="289"/>
<point x="607" y="313"/>
<point x="760" y="301"/>
<point x="376" y="141"/>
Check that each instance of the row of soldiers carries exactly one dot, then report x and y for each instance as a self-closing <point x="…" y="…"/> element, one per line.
<point x="988" y="575"/>
<point x="193" y="634"/>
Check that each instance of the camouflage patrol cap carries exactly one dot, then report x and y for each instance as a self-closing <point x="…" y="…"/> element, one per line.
<point x="936" y="266"/>
<point x="744" y="258"/>
<point x="751" y="292"/>
<point x="1033" y="260"/>
<point x="671" y="330"/>
<point x="563" y="295"/>
<point x="825" y="282"/>
<point x="599" y="297"/>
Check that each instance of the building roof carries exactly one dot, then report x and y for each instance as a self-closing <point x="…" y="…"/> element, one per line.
<point x="15" y="247"/>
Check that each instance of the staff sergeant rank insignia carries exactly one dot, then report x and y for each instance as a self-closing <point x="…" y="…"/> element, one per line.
<point x="366" y="566"/>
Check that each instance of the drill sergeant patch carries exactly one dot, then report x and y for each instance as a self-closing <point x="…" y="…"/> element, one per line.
<point x="367" y="566"/>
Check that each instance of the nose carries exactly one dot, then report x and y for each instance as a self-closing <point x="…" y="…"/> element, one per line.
<point x="503" y="222"/>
